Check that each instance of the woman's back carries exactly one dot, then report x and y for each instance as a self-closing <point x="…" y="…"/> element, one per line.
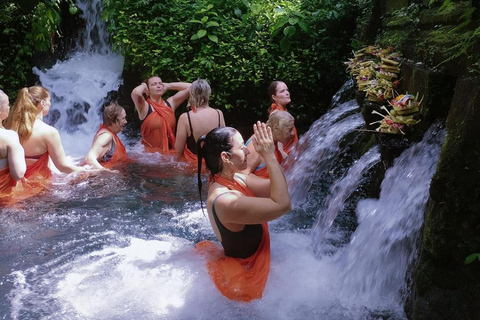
<point x="204" y="120"/>
<point x="37" y="143"/>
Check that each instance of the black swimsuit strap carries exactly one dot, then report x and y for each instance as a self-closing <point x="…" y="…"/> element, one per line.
<point x="190" y="124"/>
<point x="218" y="112"/>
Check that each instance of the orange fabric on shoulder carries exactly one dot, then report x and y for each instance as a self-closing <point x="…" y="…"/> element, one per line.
<point x="287" y="148"/>
<point x="238" y="279"/>
<point x="120" y="154"/>
<point x="158" y="128"/>
<point x="263" y="171"/>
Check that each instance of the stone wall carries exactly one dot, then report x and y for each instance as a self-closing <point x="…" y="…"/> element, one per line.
<point x="443" y="287"/>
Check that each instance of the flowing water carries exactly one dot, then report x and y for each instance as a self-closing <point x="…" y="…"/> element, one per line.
<point x="120" y="245"/>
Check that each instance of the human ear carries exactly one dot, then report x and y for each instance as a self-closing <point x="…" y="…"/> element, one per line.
<point x="225" y="156"/>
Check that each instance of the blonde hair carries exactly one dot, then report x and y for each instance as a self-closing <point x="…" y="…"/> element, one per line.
<point x="25" y="110"/>
<point x="279" y="119"/>
<point x="111" y="112"/>
<point x="200" y="93"/>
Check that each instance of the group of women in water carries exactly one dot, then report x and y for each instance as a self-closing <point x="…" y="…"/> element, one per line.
<point x="246" y="189"/>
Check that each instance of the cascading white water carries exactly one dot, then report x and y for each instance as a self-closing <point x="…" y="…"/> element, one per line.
<point x="339" y="193"/>
<point x="318" y="147"/>
<point x="80" y="84"/>
<point x="119" y="249"/>
<point x="383" y="246"/>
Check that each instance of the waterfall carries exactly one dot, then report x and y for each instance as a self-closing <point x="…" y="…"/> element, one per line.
<point x="80" y="84"/>
<point x="339" y="193"/>
<point x="318" y="147"/>
<point x="383" y="246"/>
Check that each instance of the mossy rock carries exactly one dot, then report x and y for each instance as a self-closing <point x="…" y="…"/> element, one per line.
<point x="452" y="221"/>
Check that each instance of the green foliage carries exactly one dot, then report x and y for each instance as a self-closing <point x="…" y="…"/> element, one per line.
<point x="27" y="27"/>
<point x="471" y="258"/>
<point x="239" y="46"/>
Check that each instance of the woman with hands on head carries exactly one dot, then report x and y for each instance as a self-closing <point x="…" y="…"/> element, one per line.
<point x="239" y="207"/>
<point x="157" y="115"/>
<point x="39" y="140"/>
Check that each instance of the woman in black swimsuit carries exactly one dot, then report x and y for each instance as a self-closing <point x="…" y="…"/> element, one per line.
<point x="198" y="121"/>
<point x="239" y="207"/>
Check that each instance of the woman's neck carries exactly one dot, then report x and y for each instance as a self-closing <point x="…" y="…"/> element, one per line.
<point x="227" y="175"/>
<point x="156" y="98"/>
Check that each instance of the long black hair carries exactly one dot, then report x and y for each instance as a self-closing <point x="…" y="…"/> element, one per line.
<point x="209" y="147"/>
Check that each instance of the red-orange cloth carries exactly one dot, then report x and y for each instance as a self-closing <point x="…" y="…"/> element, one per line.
<point x="158" y="128"/>
<point x="238" y="279"/>
<point x="287" y="148"/>
<point x="189" y="156"/>
<point x="35" y="180"/>
<point x="39" y="172"/>
<point x="263" y="171"/>
<point x="120" y="154"/>
<point x="6" y="182"/>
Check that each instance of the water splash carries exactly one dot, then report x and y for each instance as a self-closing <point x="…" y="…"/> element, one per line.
<point x="339" y="193"/>
<point x="318" y="148"/>
<point x="384" y="244"/>
<point x="80" y="85"/>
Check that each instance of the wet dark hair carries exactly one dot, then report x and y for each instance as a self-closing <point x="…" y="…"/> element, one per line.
<point x="272" y="89"/>
<point x="209" y="147"/>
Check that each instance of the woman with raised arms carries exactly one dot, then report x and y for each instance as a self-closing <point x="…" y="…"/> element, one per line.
<point x="239" y="207"/>
<point x="157" y="115"/>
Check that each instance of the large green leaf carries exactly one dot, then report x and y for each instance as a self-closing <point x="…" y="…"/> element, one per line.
<point x="285" y="44"/>
<point x="472" y="257"/>
<point x="212" y="24"/>
<point x="289" y="31"/>
<point x="201" y="33"/>
<point x="213" y="38"/>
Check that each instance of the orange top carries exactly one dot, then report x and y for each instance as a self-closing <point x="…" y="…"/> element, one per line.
<point x="158" y="128"/>
<point x="287" y="148"/>
<point x="238" y="279"/>
<point x="120" y="154"/>
<point x="262" y="170"/>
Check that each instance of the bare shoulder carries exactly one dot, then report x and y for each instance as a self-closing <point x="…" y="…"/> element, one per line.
<point x="227" y="196"/>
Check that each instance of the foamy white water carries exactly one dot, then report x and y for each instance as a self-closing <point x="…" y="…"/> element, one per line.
<point x="383" y="246"/>
<point x="318" y="148"/>
<point x="79" y="85"/>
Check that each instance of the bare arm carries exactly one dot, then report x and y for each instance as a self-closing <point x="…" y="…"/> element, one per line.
<point x="16" y="156"/>
<point x="139" y="101"/>
<point x="181" y="137"/>
<point x="222" y="120"/>
<point x="100" y="147"/>
<point x="183" y="93"/>
<point x="237" y="208"/>
<point x="56" y="152"/>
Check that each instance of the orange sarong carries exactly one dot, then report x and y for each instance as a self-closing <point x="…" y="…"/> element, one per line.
<point x="120" y="154"/>
<point x="238" y="279"/>
<point x="158" y="128"/>
<point x="6" y="182"/>
<point x="189" y="156"/>
<point x="287" y="148"/>
<point x="262" y="170"/>
<point x="34" y="181"/>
